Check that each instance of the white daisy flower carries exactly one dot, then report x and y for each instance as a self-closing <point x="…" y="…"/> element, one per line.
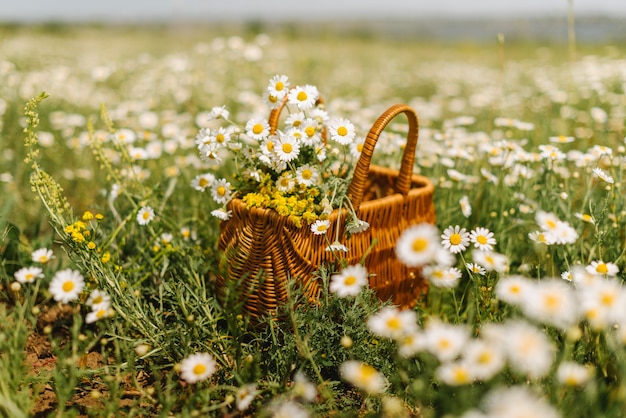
<point x="202" y="181"/>
<point x="491" y="261"/>
<point x="310" y="132"/>
<point x="218" y="112"/>
<point x="466" y="207"/>
<point x="28" y="274"/>
<point x="551" y="301"/>
<point x="197" y="367"/>
<point x="602" y="302"/>
<point x="418" y="245"/>
<point x="363" y="376"/>
<point x="585" y="217"/>
<point x="66" y="285"/>
<point x="320" y="227"/>
<point x="483" y="239"/>
<point x="455" y="239"/>
<point x="145" y="215"/>
<point x="286" y="182"/>
<point x="307" y="175"/>
<point x="392" y="322"/>
<point x="42" y="255"/>
<point x="517" y="401"/>
<point x="561" y="139"/>
<point x="571" y="373"/>
<point x="484" y="359"/>
<point x="455" y="373"/>
<point x="445" y="341"/>
<point x="356" y="147"/>
<point x="303" y="387"/>
<point x="356" y="226"/>
<point x="441" y="276"/>
<point x="245" y="395"/>
<point x="337" y="246"/>
<point x="475" y="268"/>
<point x="541" y="237"/>
<point x="222" y="214"/>
<point x="257" y="129"/>
<point x="100" y="312"/>
<point x="513" y="289"/>
<point x="98" y="298"/>
<point x="342" y="131"/>
<point x="599" y="267"/>
<point x="288" y="148"/>
<point x="304" y="97"/>
<point x="278" y="86"/>
<point x="221" y="191"/>
<point x="295" y="119"/>
<point x="528" y="349"/>
<point x="349" y="281"/>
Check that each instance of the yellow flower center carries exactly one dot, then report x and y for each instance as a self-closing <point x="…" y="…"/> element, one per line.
<point x="394" y="323"/>
<point x="607" y="299"/>
<point x="220" y="138"/>
<point x="221" y="190"/>
<point x="146" y="215"/>
<point x="602" y="268"/>
<point x="307" y="174"/>
<point x="444" y="343"/>
<point x="29" y="276"/>
<point x="551" y="224"/>
<point x="322" y="227"/>
<point x="515" y="289"/>
<point x="552" y="301"/>
<point x="287" y="148"/>
<point x="272" y="99"/>
<point x="342" y="130"/>
<point x="279" y="86"/>
<point x="68" y="286"/>
<point x="270" y="146"/>
<point x="420" y="244"/>
<point x="257" y="129"/>
<point x="367" y="372"/>
<point x="359" y="147"/>
<point x="350" y="280"/>
<point x="203" y="182"/>
<point x="310" y="131"/>
<point x="481" y="239"/>
<point x="455" y="239"/>
<point x="461" y="375"/>
<point x="302" y="96"/>
<point x="199" y="369"/>
<point x="484" y="358"/>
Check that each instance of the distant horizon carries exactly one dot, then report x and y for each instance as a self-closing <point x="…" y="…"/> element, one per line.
<point x="163" y="11"/>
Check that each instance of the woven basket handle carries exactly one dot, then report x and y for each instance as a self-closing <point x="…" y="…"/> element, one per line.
<point x="272" y="120"/>
<point x="403" y="183"/>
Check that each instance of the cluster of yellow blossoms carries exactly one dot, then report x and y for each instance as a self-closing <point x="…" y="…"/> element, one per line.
<point x="297" y="208"/>
<point x="79" y="231"/>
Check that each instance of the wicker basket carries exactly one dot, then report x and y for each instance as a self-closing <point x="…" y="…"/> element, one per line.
<point x="263" y="250"/>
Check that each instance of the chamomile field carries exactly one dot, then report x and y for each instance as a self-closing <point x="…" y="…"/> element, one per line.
<point x="123" y="151"/>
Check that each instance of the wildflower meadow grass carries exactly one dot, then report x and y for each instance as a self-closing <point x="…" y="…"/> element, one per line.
<point x="109" y="228"/>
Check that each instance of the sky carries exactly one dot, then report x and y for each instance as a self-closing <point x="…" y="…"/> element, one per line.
<point x="220" y="10"/>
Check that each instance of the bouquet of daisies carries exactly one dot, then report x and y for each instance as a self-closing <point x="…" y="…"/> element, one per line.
<point x="300" y="169"/>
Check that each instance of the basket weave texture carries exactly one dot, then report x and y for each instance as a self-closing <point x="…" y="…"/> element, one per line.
<point x="264" y="250"/>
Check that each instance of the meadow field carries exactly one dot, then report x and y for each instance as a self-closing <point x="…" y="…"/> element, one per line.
<point x="113" y="186"/>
